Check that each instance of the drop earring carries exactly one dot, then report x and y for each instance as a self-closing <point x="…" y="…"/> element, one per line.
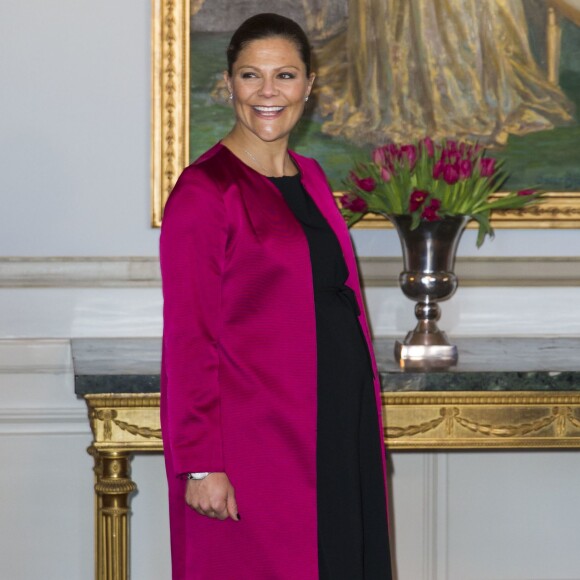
<point x="231" y="96"/>
<point x="306" y="98"/>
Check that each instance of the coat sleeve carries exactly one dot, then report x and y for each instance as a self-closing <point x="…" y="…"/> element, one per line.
<point x="192" y="257"/>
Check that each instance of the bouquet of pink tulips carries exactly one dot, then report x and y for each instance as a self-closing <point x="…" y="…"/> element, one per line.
<point x="430" y="181"/>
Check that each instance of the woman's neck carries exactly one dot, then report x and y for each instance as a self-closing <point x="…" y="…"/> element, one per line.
<point x="269" y="159"/>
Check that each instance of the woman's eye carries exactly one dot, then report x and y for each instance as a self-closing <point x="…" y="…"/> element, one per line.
<point x="287" y="75"/>
<point x="248" y="75"/>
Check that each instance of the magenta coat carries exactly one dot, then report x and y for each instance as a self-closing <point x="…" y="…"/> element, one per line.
<point x="238" y="390"/>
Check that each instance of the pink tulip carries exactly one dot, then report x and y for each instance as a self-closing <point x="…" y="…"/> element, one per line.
<point x="451" y="173"/>
<point x="367" y="184"/>
<point x="385" y="174"/>
<point x="438" y="169"/>
<point x="394" y="151"/>
<point x="410" y="152"/>
<point x="353" y="203"/>
<point x="430" y="212"/>
<point x="417" y="199"/>
<point x="487" y="166"/>
<point x="380" y="155"/>
<point x="428" y="144"/>
<point x="465" y="169"/>
<point x="430" y="215"/>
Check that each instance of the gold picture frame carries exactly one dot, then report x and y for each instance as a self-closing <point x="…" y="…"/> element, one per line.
<point x="170" y="128"/>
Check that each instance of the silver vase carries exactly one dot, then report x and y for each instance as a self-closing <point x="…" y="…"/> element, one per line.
<point x="428" y="278"/>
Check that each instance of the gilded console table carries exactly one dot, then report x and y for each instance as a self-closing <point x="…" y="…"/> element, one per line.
<point x="504" y="393"/>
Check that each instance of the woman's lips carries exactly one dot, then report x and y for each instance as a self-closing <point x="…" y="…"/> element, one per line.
<point x="267" y="112"/>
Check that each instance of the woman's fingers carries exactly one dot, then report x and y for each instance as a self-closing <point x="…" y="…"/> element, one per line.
<point x="213" y="497"/>
<point x="232" y="506"/>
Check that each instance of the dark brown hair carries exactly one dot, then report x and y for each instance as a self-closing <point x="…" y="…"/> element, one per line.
<point x="268" y="25"/>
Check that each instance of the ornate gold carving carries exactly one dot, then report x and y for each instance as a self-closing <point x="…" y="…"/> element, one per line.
<point x="121" y="420"/>
<point x="551" y="211"/>
<point x="410" y="430"/>
<point x="518" y="430"/>
<point x="92" y="451"/>
<point x="169" y="69"/>
<point x="572" y="417"/>
<point x="470" y="419"/>
<point x="170" y="99"/>
<point x="452" y="416"/>
<point x="560" y="210"/>
<point x="499" y="398"/>
<point x="115" y="512"/>
<point x="123" y="400"/>
<point x="109" y="417"/>
<point x="115" y="486"/>
<point x="136" y="430"/>
<point x="106" y="415"/>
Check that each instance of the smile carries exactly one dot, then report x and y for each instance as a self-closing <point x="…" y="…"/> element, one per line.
<point x="268" y="110"/>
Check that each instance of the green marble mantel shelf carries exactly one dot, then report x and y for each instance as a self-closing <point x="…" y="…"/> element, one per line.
<point x="131" y="365"/>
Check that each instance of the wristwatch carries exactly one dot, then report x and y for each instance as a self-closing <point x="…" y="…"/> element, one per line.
<point x="197" y="476"/>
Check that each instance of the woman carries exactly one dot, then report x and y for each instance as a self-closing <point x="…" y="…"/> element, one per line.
<point x="269" y="396"/>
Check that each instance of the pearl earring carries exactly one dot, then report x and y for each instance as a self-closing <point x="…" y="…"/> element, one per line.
<point x="231" y="96"/>
<point x="306" y="98"/>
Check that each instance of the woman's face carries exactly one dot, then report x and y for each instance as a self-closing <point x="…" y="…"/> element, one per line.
<point x="269" y="85"/>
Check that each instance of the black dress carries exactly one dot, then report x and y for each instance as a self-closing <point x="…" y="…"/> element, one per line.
<point x="353" y="537"/>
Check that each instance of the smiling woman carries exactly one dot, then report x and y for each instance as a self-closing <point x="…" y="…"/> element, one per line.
<point x="269" y="82"/>
<point x="270" y="400"/>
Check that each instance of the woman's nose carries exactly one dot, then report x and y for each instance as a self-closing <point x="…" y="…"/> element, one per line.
<point x="268" y="87"/>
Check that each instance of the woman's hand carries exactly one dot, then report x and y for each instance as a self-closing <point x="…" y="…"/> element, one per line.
<point x="213" y="496"/>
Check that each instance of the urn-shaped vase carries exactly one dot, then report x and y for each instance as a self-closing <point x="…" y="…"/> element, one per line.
<point x="427" y="278"/>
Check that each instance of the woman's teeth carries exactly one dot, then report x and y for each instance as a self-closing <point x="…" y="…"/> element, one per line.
<point x="268" y="110"/>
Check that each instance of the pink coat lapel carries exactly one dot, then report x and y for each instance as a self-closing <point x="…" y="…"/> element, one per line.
<point x="265" y="207"/>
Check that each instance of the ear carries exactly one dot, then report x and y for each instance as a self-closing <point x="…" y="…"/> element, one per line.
<point x="310" y="83"/>
<point x="228" y="81"/>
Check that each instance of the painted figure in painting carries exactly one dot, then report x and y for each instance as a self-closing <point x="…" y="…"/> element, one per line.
<point x="459" y="68"/>
<point x="270" y="396"/>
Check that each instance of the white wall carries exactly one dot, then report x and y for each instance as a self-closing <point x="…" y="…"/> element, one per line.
<point x="74" y="145"/>
<point x="74" y="128"/>
<point x="46" y="479"/>
<point x="74" y="138"/>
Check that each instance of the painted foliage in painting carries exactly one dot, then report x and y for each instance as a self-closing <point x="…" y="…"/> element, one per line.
<point x="504" y="73"/>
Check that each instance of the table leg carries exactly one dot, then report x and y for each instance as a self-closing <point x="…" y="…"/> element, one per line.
<point x="112" y="488"/>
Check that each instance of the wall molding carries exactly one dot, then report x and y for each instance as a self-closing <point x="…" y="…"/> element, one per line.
<point x="143" y="272"/>
<point x="44" y="421"/>
<point x="79" y="272"/>
<point x="35" y="356"/>
<point x="494" y="271"/>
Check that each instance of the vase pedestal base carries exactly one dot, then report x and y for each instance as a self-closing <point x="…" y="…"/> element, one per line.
<point x="425" y="356"/>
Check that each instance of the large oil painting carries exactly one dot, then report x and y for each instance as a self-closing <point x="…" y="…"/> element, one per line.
<point x="503" y="73"/>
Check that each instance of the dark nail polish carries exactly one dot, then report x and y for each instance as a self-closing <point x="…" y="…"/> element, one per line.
<point x="238" y="516"/>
